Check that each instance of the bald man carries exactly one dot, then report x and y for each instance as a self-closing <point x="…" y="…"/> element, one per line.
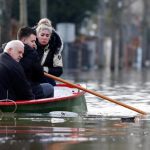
<point x="13" y="82"/>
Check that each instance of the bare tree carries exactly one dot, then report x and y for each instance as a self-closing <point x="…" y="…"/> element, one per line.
<point x="145" y="31"/>
<point x="43" y="8"/>
<point x="23" y="12"/>
<point x="5" y="20"/>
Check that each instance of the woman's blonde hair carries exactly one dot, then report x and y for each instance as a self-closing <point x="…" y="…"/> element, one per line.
<point x="44" y="24"/>
<point x="42" y="27"/>
<point x="45" y="21"/>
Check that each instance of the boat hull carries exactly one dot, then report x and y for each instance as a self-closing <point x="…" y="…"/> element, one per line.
<point x="75" y="103"/>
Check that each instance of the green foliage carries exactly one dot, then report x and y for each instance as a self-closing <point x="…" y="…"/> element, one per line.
<point x="15" y="9"/>
<point x="33" y="7"/>
<point x="33" y="11"/>
<point x="58" y="10"/>
<point x="70" y="10"/>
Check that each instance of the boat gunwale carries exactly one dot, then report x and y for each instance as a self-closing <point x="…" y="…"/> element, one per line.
<point x="41" y="101"/>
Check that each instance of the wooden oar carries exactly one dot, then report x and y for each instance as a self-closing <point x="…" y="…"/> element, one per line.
<point x="94" y="93"/>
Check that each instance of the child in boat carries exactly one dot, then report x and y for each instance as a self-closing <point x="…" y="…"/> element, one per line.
<point x="31" y="64"/>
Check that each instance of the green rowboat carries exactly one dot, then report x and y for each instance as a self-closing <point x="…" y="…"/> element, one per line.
<point x="65" y="98"/>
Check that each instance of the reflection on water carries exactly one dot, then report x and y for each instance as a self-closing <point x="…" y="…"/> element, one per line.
<point x="89" y="131"/>
<point x="129" y="87"/>
<point x="100" y="128"/>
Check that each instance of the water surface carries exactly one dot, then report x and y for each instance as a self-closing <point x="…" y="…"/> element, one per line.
<point x="100" y="128"/>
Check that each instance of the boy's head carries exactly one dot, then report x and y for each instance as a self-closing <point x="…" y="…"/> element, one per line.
<point x="27" y="35"/>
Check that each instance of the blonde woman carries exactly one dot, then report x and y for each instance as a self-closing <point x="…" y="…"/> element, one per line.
<point x="49" y="48"/>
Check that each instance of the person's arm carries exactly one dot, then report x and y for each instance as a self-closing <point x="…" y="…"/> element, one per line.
<point x="56" y="71"/>
<point x="38" y="71"/>
<point x="57" y="68"/>
<point x="21" y="86"/>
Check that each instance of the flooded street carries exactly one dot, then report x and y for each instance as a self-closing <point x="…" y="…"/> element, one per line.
<point x="80" y="42"/>
<point x="131" y="88"/>
<point x="101" y="127"/>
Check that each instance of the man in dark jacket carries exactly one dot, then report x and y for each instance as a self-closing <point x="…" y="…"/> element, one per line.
<point x="13" y="82"/>
<point x="31" y="64"/>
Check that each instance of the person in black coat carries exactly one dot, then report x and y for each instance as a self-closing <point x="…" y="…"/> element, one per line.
<point x="31" y="64"/>
<point x="13" y="82"/>
<point x="49" y="48"/>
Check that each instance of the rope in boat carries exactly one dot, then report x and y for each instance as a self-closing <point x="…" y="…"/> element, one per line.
<point x="6" y="114"/>
<point x="9" y="100"/>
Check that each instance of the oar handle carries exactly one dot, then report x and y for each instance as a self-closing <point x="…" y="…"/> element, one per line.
<point x="95" y="93"/>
